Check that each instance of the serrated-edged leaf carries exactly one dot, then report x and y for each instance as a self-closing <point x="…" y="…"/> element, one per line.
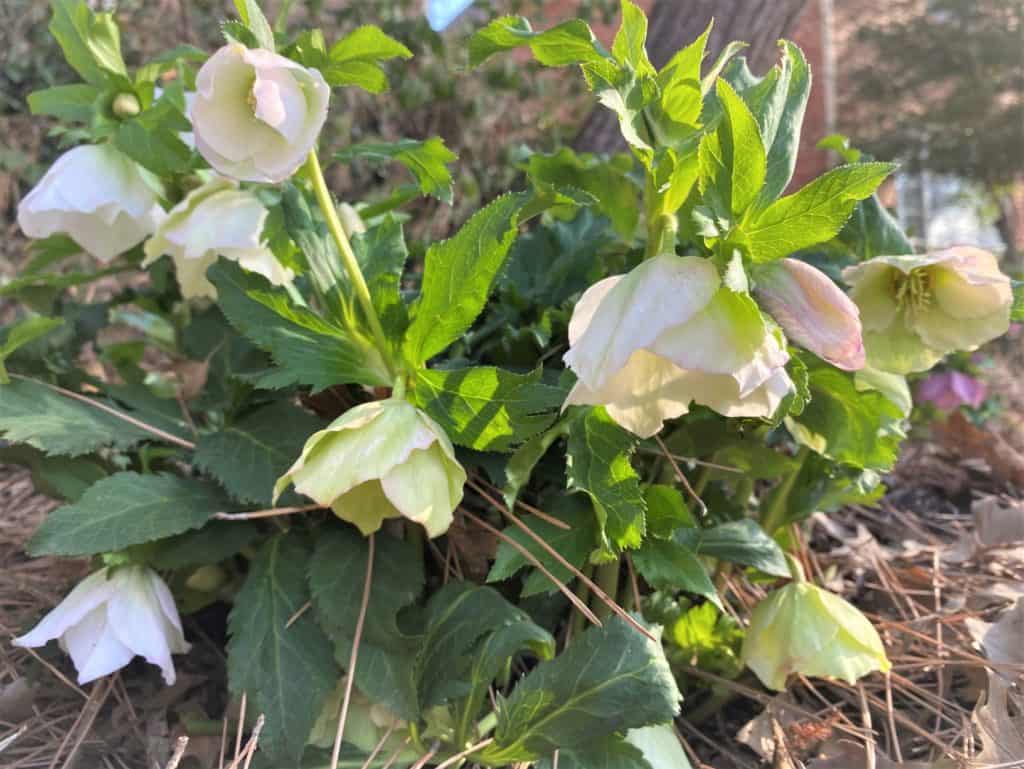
<point x="144" y="405"/>
<point x="574" y="544"/>
<point x="488" y="408"/>
<point x="610" y="679"/>
<point x="75" y="102"/>
<point x="249" y="455"/>
<point x="743" y="542"/>
<point x="32" y="413"/>
<point x="520" y="465"/>
<point x="813" y="214"/>
<point x="337" y="571"/>
<point x="386" y="675"/>
<point x="91" y="41"/>
<point x="251" y="15"/>
<point x="308" y="349"/>
<point x="598" y="463"/>
<point x="570" y="42"/>
<point x="668" y="565"/>
<point x="58" y="477"/>
<point x="458" y="275"/>
<point x="666" y="511"/>
<point x="127" y="509"/>
<point x="213" y="543"/>
<point x="355" y="59"/>
<point x="382" y="253"/>
<point x="732" y="160"/>
<point x="607" y="752"/>
<point x="22" y="333"/>
<point x="629" y="46"/>
<point x="427" y="160"/>
<point x="783" y="137"/>
<point x="283" y="663"/>
<point x="152" y="139"/>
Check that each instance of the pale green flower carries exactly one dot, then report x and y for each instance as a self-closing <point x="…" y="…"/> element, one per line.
<point x="381" y="460"/>
<point x="802" y="628"/>
<point x="648" y="344"/>
<point x="917" y="309"/>
<point x="216" y="219"/>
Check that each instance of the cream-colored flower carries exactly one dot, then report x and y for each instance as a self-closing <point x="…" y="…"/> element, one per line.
<point x="217" y="219"/>
<point x="812" y="310"/>
<point x="917" y="309"/>
<point x="801" y="628"/>
<point x="381" y="460"/>
<point x="96" y="195"/>
<point x="256" y="114"/>
<point x="111" y="616"/>
<point x="648" y="344"/>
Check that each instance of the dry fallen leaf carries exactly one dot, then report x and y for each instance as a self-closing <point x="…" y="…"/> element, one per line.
<point x="844" y="754"/>
<point x="1002" y="733"/>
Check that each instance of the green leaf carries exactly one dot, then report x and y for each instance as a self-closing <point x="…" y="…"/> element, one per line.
<point x="813" y="214"/>
<point x="570" y="42"/>
<point x="251" y="15"/>
<point x="152" y="139"/>
<point x="1017" y="310"/>
<point x="627" y="94"/>
<point x="247" y="456"/>
<point x="872" y="231"/>
<point x="743" y="542"/>
<point x="427" y="160"/>
<point x="608" y="752"/>
<point x="90" y="41"/>
<point x="629" y="46"/>
<point x="75" y="103"/>
<point x="574" y="544"/>
<point x="732" y="160"/>
<point x="610" y="679"/>
<point x="309" y="350"/>
<point x="598" y="463"/>
<point x="382" y="253"/>
<point x="847" y="425"/>
<point x="127" y="509"/>
<point x="213" y="543"/>
<point x="32" y="413"/>
<point x="487" y="408"/>
<point x="355" y="59"/>
<point x="284" y="664"/>
<point x="520" y="465"/>
<point x="22" y="333"/>
<point x="58" y="477"/>
<point x="458" y="275"/>
<point x="668" y="565"/>
<point x="666" y="511"/>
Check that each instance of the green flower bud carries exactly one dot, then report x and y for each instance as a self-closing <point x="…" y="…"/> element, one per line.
<point x="126" y="105"/>
<point x="381" y="460"/>
<point x="801" y="628"/>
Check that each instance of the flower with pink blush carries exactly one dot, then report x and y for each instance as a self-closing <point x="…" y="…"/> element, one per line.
<point x="948" y="390"/>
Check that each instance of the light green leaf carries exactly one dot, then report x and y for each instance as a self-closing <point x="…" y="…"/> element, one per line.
<point x="629" y="46"/>
<point x="382" y="253"/>
<point x="283" y="663"/>
<point x="610" y="679"/>
<point x="570" y="42"/>
<point x="22" y="333"/>
<point x="127" y="509"/>
<point x="75" y="103"/>
<point x="732" y="160"/>
<point x="247" y="456"/>
<point x="308" y="349"/>
<point x="666" y="511"/>
<point x="668" y="565"/>
<point x="781" y="119"/>
<point x="251" y="15"/>
<point x="487" y="408"/>
<point x="427" y="160"/>
<point x="32" y="413"/>
<point x="610" y="752"/>
<point x="356" y="59"/>
<point x="743" y="542"/>
<point x="598" y="463"/>
<point x="812" y="215"/>
<point x="458" y="275"/>
<point x="90" y="41"/>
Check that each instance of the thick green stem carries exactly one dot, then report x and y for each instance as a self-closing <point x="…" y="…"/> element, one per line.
<point x="773" y="517"/>
<point x="348" y="256"/>
<point x="578" y="620"/>
<point x="607" y="578"/>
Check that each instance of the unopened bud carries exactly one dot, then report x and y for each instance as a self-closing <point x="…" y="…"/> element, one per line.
<point x="126" y="105"/>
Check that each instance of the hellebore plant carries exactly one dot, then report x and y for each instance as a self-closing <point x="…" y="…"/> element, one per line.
<point x="349" y="435"/>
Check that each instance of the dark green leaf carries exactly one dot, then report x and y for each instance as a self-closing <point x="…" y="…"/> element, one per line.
<point x="382" y="253"/>
<point x="743" y="542"/>
<point x="427" y="160"/>
<point x="668" y="565"/>
<point x="666" y="511"/>
<point x="284" y="664"/>
<point x="783" y="118"/>
<point x="127" y="509"/>
<point x="213" y="543"/>
<point x="75" y="103"/>
<point x="598" y="463"/>
<point x="22" y="333"/>
<point x="872" y="231"/>
<point x="608" y="752"/>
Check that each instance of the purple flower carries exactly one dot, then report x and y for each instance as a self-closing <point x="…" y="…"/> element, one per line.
<point x="948" y="390"/>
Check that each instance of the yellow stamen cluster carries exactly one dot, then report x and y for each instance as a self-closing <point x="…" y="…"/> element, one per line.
<point x="913" y="289"/>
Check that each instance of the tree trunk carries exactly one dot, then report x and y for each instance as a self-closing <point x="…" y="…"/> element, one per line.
<point x="675" y="24"/>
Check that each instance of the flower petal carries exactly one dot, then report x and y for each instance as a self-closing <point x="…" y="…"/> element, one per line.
<point x="366" y="506"/>
<point x="94" y="649"/>
<point x="90" y="593"/>
<point x="419" y="488"/>
<point x="137" y="619"/>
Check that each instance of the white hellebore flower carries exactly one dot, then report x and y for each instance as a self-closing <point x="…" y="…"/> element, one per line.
<point x="381" y="460"/>
<point x="111" y="616"/>
<point x="647" y="344"/>
<point x="96" y="195"/>
<point x="256" y="114"/>
<point x="217" y="219"/>
<point x="812" y="310"/>
<point x="916" y="309"/>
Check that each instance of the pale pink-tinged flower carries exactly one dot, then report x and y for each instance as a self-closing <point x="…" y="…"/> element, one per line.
<point x="110" y="617"/>
<point x="256" y="114"/>
<point x="949" y="390"/>
<point x="813" y="311"/>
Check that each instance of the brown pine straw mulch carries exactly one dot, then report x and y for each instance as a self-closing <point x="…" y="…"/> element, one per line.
<point x="933" y="564"/>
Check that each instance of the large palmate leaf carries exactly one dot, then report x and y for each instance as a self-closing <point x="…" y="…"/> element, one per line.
<point x="427" y="160"/>
<point x="487" y="408"/>
<point x="32" y="413"/>
<point x="610" y="679"/>
<point x="309" y="350"/>
<point x="283" y="663"/>
<point x="458" y="275"/>
<point x="598" y="463"/>
<point x="127" y="509"/>
<point x="249" y="455"/>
